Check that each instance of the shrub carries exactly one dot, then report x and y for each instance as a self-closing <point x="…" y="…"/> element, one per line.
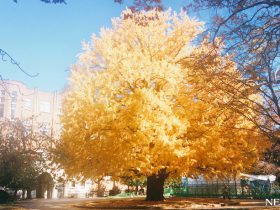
<point x="5" y="197"/>
<point x="114" y="191"/>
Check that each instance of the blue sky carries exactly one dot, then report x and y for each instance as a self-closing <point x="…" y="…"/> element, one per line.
<point x="46" y="38"/>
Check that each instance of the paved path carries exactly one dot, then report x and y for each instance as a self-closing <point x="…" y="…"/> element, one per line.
<point x="81" y="204"/>
<point x="54" y="204"/>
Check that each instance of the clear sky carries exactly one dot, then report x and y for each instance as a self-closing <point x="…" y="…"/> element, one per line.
<point x="46" y="38"/>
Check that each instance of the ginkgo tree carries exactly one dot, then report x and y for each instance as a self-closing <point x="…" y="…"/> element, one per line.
<point x="136" y="105"/>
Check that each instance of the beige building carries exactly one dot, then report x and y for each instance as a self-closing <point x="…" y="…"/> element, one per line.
<point x="38" y="108"/>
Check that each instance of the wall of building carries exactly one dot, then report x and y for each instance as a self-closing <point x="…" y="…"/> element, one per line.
<point x="39" y="109"/>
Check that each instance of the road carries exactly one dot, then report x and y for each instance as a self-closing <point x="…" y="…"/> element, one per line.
<point x="54" y="204"/>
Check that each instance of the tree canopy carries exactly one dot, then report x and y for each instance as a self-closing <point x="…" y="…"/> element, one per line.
<point x="139" y="103"/>
<point x="138" y="5"/>
<point x="250" y="30"/>
<point x="23" y="155"/>
<point x="49" y="1"/>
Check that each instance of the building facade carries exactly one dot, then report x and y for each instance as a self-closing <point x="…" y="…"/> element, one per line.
<point x="39" y="109"/>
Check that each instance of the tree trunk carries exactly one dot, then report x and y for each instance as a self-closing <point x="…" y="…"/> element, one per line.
<point x="49" y="193"/>
<point x="38" y="191"/>
<point x="23" y="194"/>
<point x="29" y="194"/>
<point x="15" y="194"/>
<point x="137" y="188"/>
<point x="155" y="184"/>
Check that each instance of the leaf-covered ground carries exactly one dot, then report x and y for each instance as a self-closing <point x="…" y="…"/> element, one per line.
<point x="10" y="207"/>
<point x="175" y="203"/>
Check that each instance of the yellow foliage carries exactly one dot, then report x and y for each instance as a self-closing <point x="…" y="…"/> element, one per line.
<point x="141" y="100"/>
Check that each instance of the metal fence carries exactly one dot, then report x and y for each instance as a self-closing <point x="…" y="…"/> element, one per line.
<point x="233" y="189"/>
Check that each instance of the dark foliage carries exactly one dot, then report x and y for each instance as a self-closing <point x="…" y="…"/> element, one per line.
<point x="49" y="1"/>
<point x="114" y="191"/>
<point x="5" y="197"/>
<point x="146" y="5"/>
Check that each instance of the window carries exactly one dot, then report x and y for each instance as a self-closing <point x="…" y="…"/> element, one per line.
<point x="59" y="109"/>
<point x="27" y="124"/>
<point x="2" y="96"/>
<point x="13" y="104"/>
<point x="14" y="96"/>
<point x="13" y="113"/>
<point x="44" y="128"/>
<point x="1" y="110"/>
<point x="44" y="106"/>
<point x="2" y="100"/>
<point x="27" y="104"/>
